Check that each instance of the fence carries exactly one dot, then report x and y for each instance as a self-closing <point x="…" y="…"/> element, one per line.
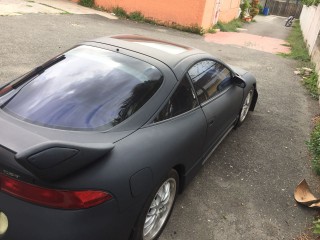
<point x="310" y="25"/>
<point x="285" y="9"/>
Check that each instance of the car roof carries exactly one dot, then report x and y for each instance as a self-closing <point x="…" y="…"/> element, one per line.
<point x="167" y="52"/>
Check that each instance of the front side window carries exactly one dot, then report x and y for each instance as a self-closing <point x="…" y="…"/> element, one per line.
<point x="209" y="78"/>
<point x="181" y="101"/>
<point x="90" y="88"/>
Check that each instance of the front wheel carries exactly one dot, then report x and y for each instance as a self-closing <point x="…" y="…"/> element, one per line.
<point x="245" y="107"/>
<point x="157" y="209"/>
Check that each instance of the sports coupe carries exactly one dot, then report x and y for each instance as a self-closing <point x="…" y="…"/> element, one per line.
<point x="97" y="142"/>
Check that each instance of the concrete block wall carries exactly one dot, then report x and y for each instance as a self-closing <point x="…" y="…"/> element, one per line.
<point x="310" y="26"/>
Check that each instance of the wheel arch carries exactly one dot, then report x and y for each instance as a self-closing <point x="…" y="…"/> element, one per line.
<point x="254" y="98"/>
<point x="180" y="168"/>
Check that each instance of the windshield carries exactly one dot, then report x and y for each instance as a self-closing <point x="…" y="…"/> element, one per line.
<point x="90" y="88"/>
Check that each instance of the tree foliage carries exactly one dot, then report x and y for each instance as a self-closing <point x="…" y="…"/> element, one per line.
<point x="310" y="2"/>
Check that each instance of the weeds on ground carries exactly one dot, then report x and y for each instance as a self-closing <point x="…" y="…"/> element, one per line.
<point x="87" y="3"/>
<point x="230" y="26"/>
<point x="314" y="148"/>
<point x="304" y="236"/>
<point x="311" y="83"/>
<point x="316" y="226"/>
<point x="138" y="17"/>
<point x="120" y="12"/>
<point x="299" y="50"/>
<point x="191" y="28"/>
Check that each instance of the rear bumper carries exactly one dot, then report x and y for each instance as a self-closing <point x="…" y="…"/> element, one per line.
<point x="31" y="222"/>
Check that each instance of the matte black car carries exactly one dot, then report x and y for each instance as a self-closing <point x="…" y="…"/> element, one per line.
<point x="97" y="142"/>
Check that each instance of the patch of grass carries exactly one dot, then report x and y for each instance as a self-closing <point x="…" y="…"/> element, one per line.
<point x="314" y="148"/>
<point x="316" y="226"/>
<point x="311" y="83"/>
<point x="212" y="30"/>
<point x="230" y="26"/>
<point x="191" y="28"/>
<point x="299" y="50"/>
<point x="120" y="12"/>
<point x="87" y="3"/>
<point x="286" y="44"/>
<point x="150" y="21"/>
<point x="136" y="16"/>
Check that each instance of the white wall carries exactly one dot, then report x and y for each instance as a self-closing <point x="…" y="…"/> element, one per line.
<point x="310" y="25"/>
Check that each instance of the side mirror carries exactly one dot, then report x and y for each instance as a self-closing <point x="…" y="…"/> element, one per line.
<point x="238" y="81"/>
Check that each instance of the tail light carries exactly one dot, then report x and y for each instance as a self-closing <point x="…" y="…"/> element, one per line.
<point x="63" y="199"/>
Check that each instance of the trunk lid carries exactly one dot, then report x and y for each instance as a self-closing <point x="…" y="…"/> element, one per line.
<point x="29" y="151"/>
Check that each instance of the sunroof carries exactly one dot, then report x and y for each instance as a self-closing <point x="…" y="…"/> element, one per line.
<point x="168" y="48"/>
<point x="164" y="46"/>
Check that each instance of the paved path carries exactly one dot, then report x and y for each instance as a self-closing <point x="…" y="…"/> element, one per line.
<point x="267" y="34"/>
<point x="19" y="7"/>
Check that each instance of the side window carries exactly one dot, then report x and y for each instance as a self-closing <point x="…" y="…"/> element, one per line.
<point x="209" y="78"/>
<point x="182" y="100"/>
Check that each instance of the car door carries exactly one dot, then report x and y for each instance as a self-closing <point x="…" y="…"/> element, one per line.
<point x="219" y="97"/>
<point x="180" y="126"/>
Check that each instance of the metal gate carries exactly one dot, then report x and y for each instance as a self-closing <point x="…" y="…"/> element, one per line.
<point x="284" y="8"/>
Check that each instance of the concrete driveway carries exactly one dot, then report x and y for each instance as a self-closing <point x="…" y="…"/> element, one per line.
<point x="267" y="34"/>
<point x="245" y="190"/>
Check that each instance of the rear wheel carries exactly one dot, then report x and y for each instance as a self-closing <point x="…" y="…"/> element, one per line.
<point x="157" y="209"/>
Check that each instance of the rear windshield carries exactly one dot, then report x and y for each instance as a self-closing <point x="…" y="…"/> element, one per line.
<point x="89" y="89"/>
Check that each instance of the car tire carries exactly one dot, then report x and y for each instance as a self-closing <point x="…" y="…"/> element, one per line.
<point x="245" y="107"/>
<point x="157" y="209"/>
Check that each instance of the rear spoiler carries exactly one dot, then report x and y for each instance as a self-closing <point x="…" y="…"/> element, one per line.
<point x="55" y="160"/>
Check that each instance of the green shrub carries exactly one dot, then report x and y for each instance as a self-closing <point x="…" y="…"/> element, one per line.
<point x="310" y="2"/>
<point x="136" y="16"/>
<point x="120" y="12"/>
<point x="230" y="26"/>
<point x="244" y="8"/>
<point x="260" y="8"/>
<point x="87" y="3"/>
